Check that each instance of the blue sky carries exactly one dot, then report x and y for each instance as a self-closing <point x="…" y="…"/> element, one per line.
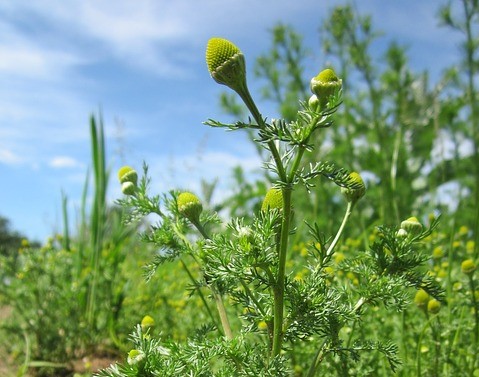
<point x="142" y="63"/>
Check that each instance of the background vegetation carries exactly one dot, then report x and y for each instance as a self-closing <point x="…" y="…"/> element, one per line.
<point x="73" y="301"/>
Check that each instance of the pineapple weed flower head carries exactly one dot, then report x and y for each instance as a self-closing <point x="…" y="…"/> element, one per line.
<point x="273" y="200"/>
<point x="226" y="64"/>
<point x="412" y="226"/>
<point x="356" y="193"/>
<point x="323" y="86"/>
<point x="189" y="206"/>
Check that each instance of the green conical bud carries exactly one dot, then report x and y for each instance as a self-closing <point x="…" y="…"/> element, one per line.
<point x="226" y="63"/>
<point x="357" y="190"/>
<point x="147" y="322"/>
<point x="325" y="85"/>
<point x="421" y="299"/>
<point x="412" y="226"/>
<point x="127" y="174"/>
<point x="273" y="200"/>
<point x="128" y="188"/>
<point x="189" y="206"/>
<point x="468" y="267"/>
<point x="313" y="103"/>
<point x="433" y="306"/>
<point x="135" y="357"/>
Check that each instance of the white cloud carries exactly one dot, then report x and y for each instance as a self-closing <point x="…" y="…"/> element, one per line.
<point x="60" y="162"/>
<point x="187" y="171"/>
<point x="7" y="157"/>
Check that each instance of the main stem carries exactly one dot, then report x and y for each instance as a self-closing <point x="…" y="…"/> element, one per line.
<point x="278" y="289"/>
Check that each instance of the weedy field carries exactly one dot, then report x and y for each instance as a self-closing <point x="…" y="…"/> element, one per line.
<point x="339" y="259"/>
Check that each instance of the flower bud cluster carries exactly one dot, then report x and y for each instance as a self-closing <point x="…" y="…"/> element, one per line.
<point x="410" y="227"/>
<point x="424" y="302"/>
<point x="128" y="178"/>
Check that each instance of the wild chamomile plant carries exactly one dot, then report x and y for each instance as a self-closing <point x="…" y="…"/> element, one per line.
<point x="260" y="319"/>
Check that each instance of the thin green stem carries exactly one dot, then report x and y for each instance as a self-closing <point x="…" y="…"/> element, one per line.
<point x="296" y="163"/>
<point x="251" y="295"/>
<point x="248" y="101"/>
<point x="347" y="215"/>
<point x="278" y="289"/>
<point x="216" y="295"/>
<point x="317" y="360"/>
<point x="475" y="305"/>
<point x="222" y="312"/>
<point x="198" y="288"/>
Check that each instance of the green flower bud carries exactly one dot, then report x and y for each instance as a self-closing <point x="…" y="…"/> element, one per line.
<point x="325" y="85"/>
<point x="273" y="200"/>
<point x="433" y="306"/>
<point x="135" y="356"/>
<point x="189" y="206"/>
<point x="412" y="226"/>
<point x="421" y="299"/>
<point x="401" y="233"/>
<point x="356" y="193"/>
<point x="226" y="63"/>
<point x="468" y="267"/>
<point x="147" y="322"/>
<point x="128" y="188"/>
<point x="127" y="174"/>
<point x="313" y="103"/>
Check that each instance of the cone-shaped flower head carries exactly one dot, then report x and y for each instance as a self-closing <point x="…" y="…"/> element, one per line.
<point x="412" y="226"/>
<point x="433" y="306"/>
<point x="358" y="190"/>
<point x="468" y="267"/>
<point x="189" y="206"/>
<point x="273" y="200"/>
<point x="421" y="299"/>
<point x="127" y="174"/>
<point x="147" y="322"/>
<point x="226" y="63"/>
<point x="325" y="85"/>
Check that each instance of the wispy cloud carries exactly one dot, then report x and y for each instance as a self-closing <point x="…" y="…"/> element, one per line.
<point x="7" y="157"/>
<point x="61" y="162"/>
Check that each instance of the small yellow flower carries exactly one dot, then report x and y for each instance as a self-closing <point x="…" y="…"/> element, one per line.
<point x="463" y="230"/>
<point x="262" y="326"/>
<point x="438" y="252"/>
<point x="421" y="298"/>
<point x="468" y="267"/>
<point x="329" y="270"/>
<point x="470" y="245"/>
<point x="456" y="244"/>
<point x="433" y="306"/>
<point x="339" y="257"/>
<point x="147" y="322"/>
